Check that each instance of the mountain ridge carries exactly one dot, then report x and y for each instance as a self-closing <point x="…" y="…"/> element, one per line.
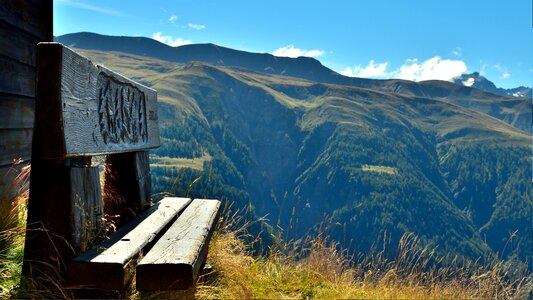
<point x="378" y="162"/>
<point x="515" y="111"/>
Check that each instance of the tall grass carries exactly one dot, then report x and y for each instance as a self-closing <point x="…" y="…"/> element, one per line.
<point x="318" y="267"/>
<point x="312" y="267"/>
<point x="12" y="229"/>
<point x="13" y="211"/>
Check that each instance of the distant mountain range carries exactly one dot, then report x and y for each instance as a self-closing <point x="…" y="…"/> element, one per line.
<point x="515" y="111"/>
<point x="380" y="157"/>
<point x="478" y="81"/>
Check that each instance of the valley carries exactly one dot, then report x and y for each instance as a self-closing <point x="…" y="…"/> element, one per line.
<point x="379" y="162"/>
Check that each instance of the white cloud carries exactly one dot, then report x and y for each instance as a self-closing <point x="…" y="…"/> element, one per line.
<point x="347" y="72"/>
<point x="291" y="51"/>
<point x="196" y="26"/>
<point x="503" y="71"/>
<point x="458" y="51"/>
<point x="169" y="40"/>
<point x="371" y="70"/>
<point x="78" y="4"/>
<point x="173" y="19"/>
<point x="434" y="68"/>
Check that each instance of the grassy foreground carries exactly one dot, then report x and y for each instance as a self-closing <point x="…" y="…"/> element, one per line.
<point x="318" y="268"/>
<point x="307" y="269"/>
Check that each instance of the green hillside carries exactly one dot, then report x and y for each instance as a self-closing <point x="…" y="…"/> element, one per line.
<point x="381" y="164"/>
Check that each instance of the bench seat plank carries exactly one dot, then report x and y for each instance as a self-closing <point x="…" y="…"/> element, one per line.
<point x="175" y="260"/>
<point x="108" y="266"/>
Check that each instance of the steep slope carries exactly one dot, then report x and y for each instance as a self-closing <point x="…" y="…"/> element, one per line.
<point x="517" y="112"/>
<point x="379" y="163"/>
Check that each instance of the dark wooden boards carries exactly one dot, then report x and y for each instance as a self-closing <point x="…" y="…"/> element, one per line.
<point x="16" y="128"/>
<point x="16" y="78"/>
<point x="16" y="112"/>
<point x="34" y="17"/>
<point x="108" y="266"/>
<point x="23" y="24"/>
<point x="15" y="144"/>
<point x="175" y="260"/>
<point x="17" y="44"/>
<point x="101" y="112"/>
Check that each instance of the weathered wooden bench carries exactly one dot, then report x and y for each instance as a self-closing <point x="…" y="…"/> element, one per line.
<point x="83" y="111"/>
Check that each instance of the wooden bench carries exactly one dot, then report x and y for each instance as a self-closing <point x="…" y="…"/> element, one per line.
<point x="83" y="111"/>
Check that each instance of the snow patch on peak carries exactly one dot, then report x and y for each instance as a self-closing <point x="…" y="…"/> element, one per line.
<point x="469" y="82"/>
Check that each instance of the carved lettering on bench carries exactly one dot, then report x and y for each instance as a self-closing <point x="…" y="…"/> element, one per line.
<point x="122" y="112"/>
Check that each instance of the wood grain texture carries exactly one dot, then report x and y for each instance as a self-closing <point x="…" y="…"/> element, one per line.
<point x="15" y="144"/>
<point x="34" y="17"/>
<point x="116" y="257"/>
<point x="16" y="78"/>
<point x="100" y="112"/>
<point x="17" y="44"/>
<point x="16" y="112"/>
<point x="49" y="225"/>
<point x="175" y="260"/>
<point x="86" y="214"/>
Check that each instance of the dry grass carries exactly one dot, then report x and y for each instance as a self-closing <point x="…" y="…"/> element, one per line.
<point x="179" y="162"/>
<point x="314" y="267"/>
<point x="319" y="268"/>
<point x="12" y="229"/>
<point x="380" y="169"/>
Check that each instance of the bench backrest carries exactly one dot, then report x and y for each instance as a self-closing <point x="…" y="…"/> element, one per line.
<point x="84" y="110"/>
<point x="89" y="109"/>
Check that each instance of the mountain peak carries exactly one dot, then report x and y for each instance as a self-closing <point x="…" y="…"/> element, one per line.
<point x="478" y="81"/>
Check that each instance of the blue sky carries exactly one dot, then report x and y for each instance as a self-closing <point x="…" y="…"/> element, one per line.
<point x="409" y="39"/>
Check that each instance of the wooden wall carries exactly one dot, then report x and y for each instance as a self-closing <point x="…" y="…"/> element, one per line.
<point x="23" y="23"/>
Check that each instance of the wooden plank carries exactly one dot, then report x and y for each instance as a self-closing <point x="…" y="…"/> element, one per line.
<point x="86" y="214"/>
<point x="175" y="260"/>
<point x="101" y="112"/>
<point x="127" y="186"/>
<point x="34" y="17"/>
<point x="17" y="44"/>
<point x="15" y="144"/>
<point x="108" y="265"/>
<point x="16" y="112"/>
<point x="16" y="78"/>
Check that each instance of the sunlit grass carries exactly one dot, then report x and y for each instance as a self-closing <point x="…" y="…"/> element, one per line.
<point x="318" y="267"/>
<point x="179" y="162"/>
<point x="379" y="169"/>
<point x="314" y="267"/>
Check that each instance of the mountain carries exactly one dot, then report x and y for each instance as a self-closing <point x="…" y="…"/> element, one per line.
<point x="514" y="111"/>
<point x="478" y="81"/>
<point x="378" y="163"/>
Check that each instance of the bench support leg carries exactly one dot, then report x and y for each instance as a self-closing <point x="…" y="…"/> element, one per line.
<point x="59" y="224"/>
